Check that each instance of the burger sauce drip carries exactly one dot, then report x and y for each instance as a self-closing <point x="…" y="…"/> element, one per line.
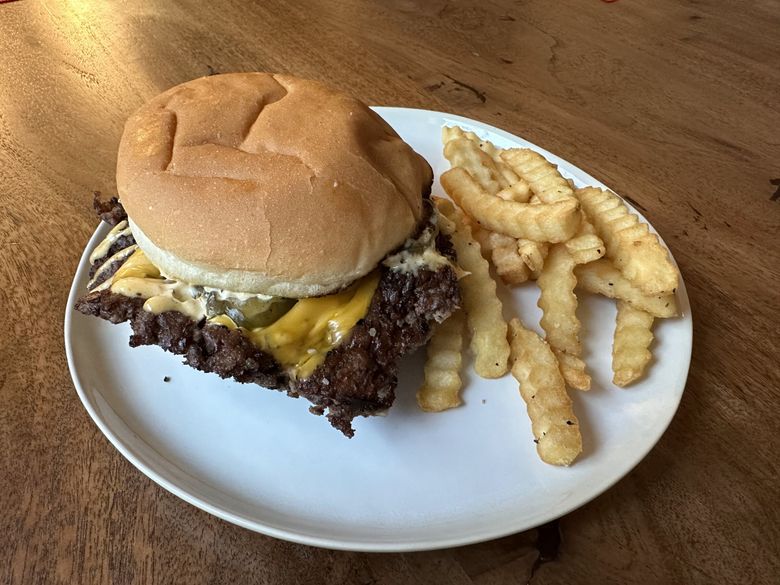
<point x="100" y="251"/>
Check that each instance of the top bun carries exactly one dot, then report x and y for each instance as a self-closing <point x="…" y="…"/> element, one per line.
<point x="268" y="184"/>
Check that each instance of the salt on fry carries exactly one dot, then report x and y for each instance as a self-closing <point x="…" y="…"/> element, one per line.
<point x="555" y="429"/>
<point x="631" y="344"/>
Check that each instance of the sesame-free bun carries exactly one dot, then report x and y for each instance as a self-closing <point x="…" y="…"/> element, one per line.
<point x="269" y="184"/>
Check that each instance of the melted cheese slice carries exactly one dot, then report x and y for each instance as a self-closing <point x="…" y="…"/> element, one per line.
<point x="302" y="337"/>
<point x="137" y="265"/>
<point x="299" y="340"/>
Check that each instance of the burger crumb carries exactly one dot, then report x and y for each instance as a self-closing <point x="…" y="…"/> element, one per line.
<point x="167" y="379"/>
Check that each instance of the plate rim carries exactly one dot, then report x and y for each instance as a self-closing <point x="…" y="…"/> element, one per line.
<point x="335" y="543"/>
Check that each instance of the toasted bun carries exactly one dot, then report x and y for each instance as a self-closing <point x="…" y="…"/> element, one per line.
<point x="267" y="184"/>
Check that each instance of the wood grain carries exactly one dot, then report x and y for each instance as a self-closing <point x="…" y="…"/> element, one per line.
<point x="672" y="103"/>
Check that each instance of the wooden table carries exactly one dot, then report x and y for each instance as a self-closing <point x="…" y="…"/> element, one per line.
<point x="675" y="104"/>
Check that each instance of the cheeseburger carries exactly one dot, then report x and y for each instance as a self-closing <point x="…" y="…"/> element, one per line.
<point x="273" y="230"/>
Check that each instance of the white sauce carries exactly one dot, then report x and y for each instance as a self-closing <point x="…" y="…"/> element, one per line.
<point x="418" y="254"/>
<point x="406" y="261"/>
<point x="121" y="255"/>
<point x="228" y="295"/>
<point x="100" y="251"/>
<point x="163" y="295"/>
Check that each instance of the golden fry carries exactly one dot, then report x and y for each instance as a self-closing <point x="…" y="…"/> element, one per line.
<point x="631" y="345"/>
<point x="601" y="277"/>
<point x="502" y="251"/>
<point x="556" y="222"/>
<point x="586" y="228"/>
<point x="518" y="190"/>
<point x="484" y="313"/>
<point x="585" y="248"/>
<point x="555" y="428"/>
<point x="636" y="252"/>
<point x="449" y="133"/>
<point x="543" y="176"/>
<point x="559" y="314"/>
<point x="574" y="370"/>
<point x="442" y="385"/>
<point x="533" y="253"/>
<point x="467" y="155"/>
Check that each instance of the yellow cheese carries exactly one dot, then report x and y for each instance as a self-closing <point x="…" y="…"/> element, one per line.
<point x="223" y="320"/>
<point x="137" y="265"/>
<point x="139" y="286"/>
<point x="301" y="338"/>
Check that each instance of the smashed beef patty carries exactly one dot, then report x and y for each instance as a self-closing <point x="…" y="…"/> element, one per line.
<point x="357" y="377"/>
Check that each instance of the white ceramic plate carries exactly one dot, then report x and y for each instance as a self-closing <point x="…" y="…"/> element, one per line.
<point x="407" y="481"/>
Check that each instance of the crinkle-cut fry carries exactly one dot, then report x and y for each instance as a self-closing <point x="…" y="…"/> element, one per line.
<point x="449" y="133"/>
<point x="509" y="266"/>
<point x="555" y="222"/>
<point x="518" y="190"/>
<point x="559" y="314"/>
<point x="484" y="238"/>
<point x="442" y="385"/>
<point x="543" y="176"/>
<point x="574" y="370"/>
<point x="555" y="429"/>
<point x="631" y="344"/>
<point x="463" y="153"/>
<point x="636" y="252"/>
<point x="484" y="313"/>
<point x="502" y="252"/>
<point x="585" y="248"/>
<point x="452" y="132"/>
<point x="601" y="277"/>
<point x="533" y="253"/>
